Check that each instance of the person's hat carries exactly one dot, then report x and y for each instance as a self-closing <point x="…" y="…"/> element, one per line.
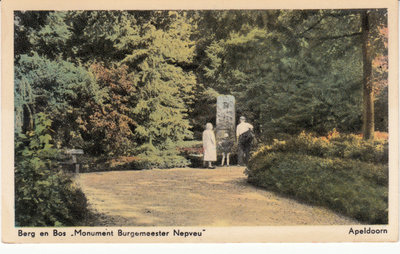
<point x="242" y="118"/>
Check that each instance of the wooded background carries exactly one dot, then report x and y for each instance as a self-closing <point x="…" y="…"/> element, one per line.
<point x="134" y="82"/>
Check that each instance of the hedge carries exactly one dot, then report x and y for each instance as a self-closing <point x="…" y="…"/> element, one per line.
<point x="346" y="146"/>
<point x="354" y="188"/>
<point x="341" y="172"/>
<point x="44" y="194"/>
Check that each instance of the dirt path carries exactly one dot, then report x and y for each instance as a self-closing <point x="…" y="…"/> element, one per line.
<point x="193" y="197"/>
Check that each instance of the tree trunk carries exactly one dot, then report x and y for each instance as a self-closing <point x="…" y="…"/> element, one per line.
<point x="368" y="92"/>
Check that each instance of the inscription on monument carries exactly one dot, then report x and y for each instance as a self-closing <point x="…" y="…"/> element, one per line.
<point x="225" y="116"/>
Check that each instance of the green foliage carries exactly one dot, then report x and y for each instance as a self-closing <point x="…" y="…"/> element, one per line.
<point x="334" y="183"/>
<point x="74" y="36"/>
<point x="26" y="23"/>
<point x="102" y="163"/>
<point x="204" y="110"/>
<point x="56" y="88"/>
<point x="164" y="89"/>
<point x="166" y="156"/>
<point x="141" y="96"/>
<point x="382" y="111"/>
<point x="341" y="172"/>
<point x="346" y="146"/>
<point x="51" y="39"/>
<point x="44" y="196"/>
<point x="290" y="70"/>
<point x="159" y="73"/>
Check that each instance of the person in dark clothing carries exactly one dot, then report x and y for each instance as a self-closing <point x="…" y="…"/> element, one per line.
<point x="244" y="135"/>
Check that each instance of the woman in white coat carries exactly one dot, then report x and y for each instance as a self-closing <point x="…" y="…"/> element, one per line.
<point x="209" y="145"/>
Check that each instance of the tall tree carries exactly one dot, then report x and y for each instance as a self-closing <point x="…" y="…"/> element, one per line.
<point x="108" y="123"/>
<point x="56" y="88"/>
<point x="368" y="92"/>
<point x="157" y="69"/>
<point x="374" y="34"/>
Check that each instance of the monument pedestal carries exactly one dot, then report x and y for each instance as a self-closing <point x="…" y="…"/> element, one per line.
<point x="225" y="122"/>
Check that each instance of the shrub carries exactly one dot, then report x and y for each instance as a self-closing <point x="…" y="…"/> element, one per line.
<point x="352" y="187"/>
<point x="123" y="163"/>
<point x="188" y="148"/>
<point x="44" y="195"/>
<point x="346" y="146"/>
<point x="164" y="157"/>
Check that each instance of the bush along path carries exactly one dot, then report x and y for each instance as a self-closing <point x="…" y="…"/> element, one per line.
<point x="193" y="197"/>
<point x="341" y="172"/>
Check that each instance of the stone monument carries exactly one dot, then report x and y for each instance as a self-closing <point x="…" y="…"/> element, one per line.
<point x="225" y="116"/>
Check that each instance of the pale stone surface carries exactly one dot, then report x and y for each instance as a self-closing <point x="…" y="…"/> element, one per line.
<point x="225" y="116"/>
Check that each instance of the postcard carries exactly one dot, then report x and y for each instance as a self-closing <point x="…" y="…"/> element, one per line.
<point x="199" y="121"/>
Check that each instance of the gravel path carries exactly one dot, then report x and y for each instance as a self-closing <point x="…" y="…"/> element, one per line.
<point x="193" y="197"/>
